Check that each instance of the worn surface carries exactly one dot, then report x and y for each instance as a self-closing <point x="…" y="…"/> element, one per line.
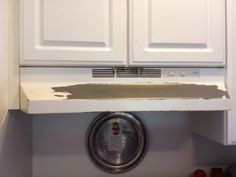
<point x="161" y="91"/>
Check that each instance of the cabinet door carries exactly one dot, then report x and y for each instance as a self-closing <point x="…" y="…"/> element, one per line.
<point x="178" y="32"/>
<point x="73" y="32"/>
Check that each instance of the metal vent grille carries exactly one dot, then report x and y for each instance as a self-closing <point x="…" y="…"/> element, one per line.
<point x="150" y="73"/>
<point x="126" y="72"/>
<point x="103" y="73"/>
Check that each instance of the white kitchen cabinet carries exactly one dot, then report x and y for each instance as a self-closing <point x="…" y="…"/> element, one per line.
<point x="178" y="32"/>
<point x="73" y="32"/>
<point x="95" y="32"/>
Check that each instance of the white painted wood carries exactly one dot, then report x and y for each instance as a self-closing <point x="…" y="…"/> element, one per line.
<point x="177" y="32"/>
<point x="41" y="98"/>
<point x="73" y="32"/>
<point x="14" y="74"/>
<point x="3" y="59"/>
<point x="231" y="72"/>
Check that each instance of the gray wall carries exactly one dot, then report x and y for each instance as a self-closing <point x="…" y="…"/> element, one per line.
<point x="59" y="149"/>
<point x="16" y="145"/>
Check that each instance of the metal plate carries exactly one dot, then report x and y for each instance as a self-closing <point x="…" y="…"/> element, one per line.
<point x="116" y="142"/>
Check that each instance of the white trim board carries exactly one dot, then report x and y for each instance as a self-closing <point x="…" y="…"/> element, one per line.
<point x="231" y="72"/>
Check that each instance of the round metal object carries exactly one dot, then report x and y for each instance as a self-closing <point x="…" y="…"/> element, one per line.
<point x="116" y="142"/>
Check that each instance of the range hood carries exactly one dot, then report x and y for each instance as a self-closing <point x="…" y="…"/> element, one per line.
<point x="73" y="90"/>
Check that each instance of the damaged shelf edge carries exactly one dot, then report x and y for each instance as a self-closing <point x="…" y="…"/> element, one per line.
<point x="79" y="98"/>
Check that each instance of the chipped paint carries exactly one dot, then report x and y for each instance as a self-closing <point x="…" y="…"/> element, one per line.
<point x="59" y="95"/>
<point x="154" y="91"/>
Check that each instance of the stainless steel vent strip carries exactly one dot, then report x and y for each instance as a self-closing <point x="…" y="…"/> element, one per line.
<point x="127" y="73"/>
<point x="150" y="73"/>
<point x="100" y="73"/>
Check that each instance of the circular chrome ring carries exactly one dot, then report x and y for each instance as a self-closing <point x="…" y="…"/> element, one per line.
<point x="116" y="142"/>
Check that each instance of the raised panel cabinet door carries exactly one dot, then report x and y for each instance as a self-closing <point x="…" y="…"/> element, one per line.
<point x="73" y="32"/>
<point x="177" y="32"/>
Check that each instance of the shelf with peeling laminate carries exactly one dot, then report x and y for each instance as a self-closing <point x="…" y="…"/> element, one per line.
<point x="39" y="98"/>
